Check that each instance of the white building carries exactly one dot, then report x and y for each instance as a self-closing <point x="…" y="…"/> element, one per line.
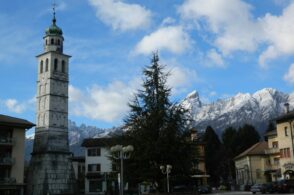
<point x="99" y="169"/>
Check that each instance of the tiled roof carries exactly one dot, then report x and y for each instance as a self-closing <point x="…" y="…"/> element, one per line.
<point x="15" y="122"/>
<point x="98" y="142"/>
<point x="256" y="149"/>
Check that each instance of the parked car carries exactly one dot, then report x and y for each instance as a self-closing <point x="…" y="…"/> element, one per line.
<point x="286" y="185"/>
<point x="269" y="187"/>
<point x="204" y="189"/>
<point x="258" y="188"/>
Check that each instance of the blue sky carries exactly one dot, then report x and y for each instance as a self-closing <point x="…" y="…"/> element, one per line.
<point x="216" y="47"/>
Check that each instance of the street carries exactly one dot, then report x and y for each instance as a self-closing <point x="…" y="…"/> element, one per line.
<point x="237" y="193"/>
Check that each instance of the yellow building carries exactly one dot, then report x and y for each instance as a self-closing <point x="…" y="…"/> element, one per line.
<point x="272" y="160"/>
<point x="12" y="138"/>
<point x="250" y="165"/>
<point x="284" y="142"/>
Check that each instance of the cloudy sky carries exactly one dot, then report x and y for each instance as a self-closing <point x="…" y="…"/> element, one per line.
<point x="217" y="47"/>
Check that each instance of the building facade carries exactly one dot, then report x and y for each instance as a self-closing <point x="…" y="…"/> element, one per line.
<point x="275" y="161"/>
<point x="51" y="170"/>
<point x="199" y="168"/>
<point x="250" y="165"/>
<point x="12" y="142"/>
<point x="100" y="172"/>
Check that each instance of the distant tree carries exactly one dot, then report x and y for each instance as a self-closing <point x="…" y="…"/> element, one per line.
<point x="158" y="130"/>
<point x="246" y="137"/>
<point x="213" y="155"/>
<point x="229" y="139"/>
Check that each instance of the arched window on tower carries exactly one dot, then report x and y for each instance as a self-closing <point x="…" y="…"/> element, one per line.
<point x="46" y="42"/>
<point x="63" y="66"/>
<point x="41" y="66"/>
<point x="55" y="64"/>
<point x="52" y="41"/>
<point x="58" y="42"/>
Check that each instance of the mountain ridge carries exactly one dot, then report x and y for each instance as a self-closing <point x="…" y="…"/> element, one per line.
<point x="257" y="109"/>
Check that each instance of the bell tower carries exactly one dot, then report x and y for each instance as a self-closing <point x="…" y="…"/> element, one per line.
<point x="51" y="171"/>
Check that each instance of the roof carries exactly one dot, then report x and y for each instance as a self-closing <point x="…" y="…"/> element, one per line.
<point x="15" y="122"/>
<point x="286" y="117"/>
<point x="256" y="149"/>
<point x="98" y="142"/>
<point x="271" y="133"/>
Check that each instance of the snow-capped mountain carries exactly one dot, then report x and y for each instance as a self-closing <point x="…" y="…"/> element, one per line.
<point x="256" y="109"/>
<point x="76" y="135"/>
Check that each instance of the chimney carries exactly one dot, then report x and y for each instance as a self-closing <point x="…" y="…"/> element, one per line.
<point x="287" y="107"/>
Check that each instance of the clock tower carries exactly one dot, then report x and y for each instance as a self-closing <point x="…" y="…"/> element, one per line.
<point x="51" y="170"/>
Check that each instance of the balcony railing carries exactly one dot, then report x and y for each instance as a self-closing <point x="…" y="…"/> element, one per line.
<point x="272" y="167"/>
<point x="7" y="180"/>
<point x="6" y="161"/>
<point x="7" y="141"/>
<point x="272" y="151"/>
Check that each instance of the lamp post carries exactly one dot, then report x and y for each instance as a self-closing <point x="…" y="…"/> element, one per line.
<point x="166" y="170"/>
<point x="121" y="152"/>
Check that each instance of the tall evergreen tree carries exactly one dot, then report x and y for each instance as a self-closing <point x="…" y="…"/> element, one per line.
<point x="213" y="155"/>
<point x="229" y="139"/>
<point x="157" y="128"/>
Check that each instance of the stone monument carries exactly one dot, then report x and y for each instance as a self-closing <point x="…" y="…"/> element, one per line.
<point x="51" y="170"/>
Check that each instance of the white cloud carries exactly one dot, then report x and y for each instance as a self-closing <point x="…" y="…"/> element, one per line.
<point x="230" y="20"/>
<point x="171" y="38"/>
<point x="278" y="33"/>
<point x="102" y="103"/>
<point x="19" y="107"/>
<point x="214" y="59"/>
<point x="180" y="77"/>
<point x="14" y="106"/>
<point x="289" y="76"/>
<point x="120" y="15"/>
<point x="234" y="27"/>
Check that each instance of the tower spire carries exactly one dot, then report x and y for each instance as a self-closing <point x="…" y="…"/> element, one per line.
<point x="54" y="12"/>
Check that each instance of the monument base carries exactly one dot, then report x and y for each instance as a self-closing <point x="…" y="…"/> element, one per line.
<point x="51" y="173"/>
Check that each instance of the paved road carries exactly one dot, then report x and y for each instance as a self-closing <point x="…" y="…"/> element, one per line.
<point x="241" y="193"/>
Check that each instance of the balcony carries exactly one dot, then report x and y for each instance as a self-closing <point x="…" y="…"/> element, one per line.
<point x="272" y="167"/>
<point x="272" y="151"/>
<point x="7" y="141"/>
<point x="7" y="180"/>
<point x="8" y="161"/>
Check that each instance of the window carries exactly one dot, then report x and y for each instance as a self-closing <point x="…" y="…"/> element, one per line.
<point x="94" y="152"/>
<point x="286" y="131"/>
<point x="52" y="41"/>
<point x="46" y="42"/>
<point x="276" y="161"/>
<point x="94" y="168"/>
<point x="41" y="66"/>
<point x="275" y="144"/>
<point x="46" y="69"/>
<point x="63" y="66"/>
<point x="95" y="185"/>
<point x="285" y="153"/>
<point x="47" y="62"/>
<point x="55" y="64"/>
<point x="58" y="42"/>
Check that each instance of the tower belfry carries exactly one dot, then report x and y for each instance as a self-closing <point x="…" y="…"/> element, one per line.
<point x="51" y="171"/>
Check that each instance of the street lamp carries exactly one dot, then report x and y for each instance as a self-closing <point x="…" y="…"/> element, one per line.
<point x="166" y="170"/>
<point x="121" y="152"/>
